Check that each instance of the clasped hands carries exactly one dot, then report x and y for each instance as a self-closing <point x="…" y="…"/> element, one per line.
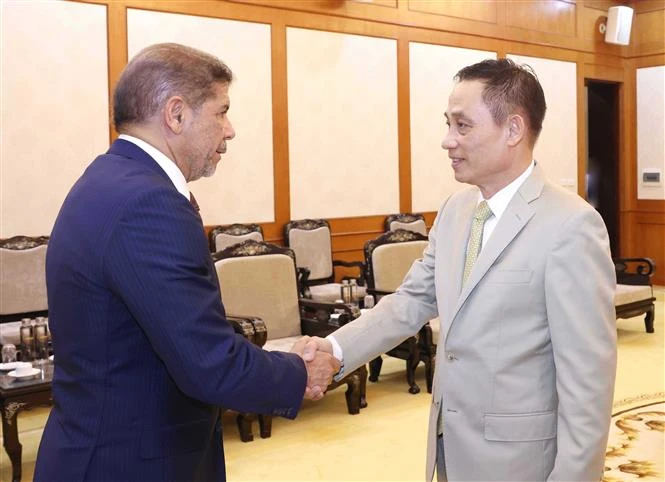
<point x="320" y="363"/>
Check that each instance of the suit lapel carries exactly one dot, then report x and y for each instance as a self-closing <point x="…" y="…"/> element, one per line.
<point x="516" y="216"/>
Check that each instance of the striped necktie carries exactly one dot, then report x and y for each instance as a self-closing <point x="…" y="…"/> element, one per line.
<point x="482" y="214"/>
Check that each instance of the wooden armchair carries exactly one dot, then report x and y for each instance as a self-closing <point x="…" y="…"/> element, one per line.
<point x="388" y="259"/>
<point x="260" y="279"/>
<point x="221" y="237"/>
<point x="408" y="221"/>
<point x="310" y="239"/>
<point x="254" y="329"/>
<point x="23" y="278"/>
<point x="634" y="294"/>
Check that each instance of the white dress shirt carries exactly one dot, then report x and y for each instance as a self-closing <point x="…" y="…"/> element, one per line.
<point x="497" y="203"/>
<point x="168" y="166"/>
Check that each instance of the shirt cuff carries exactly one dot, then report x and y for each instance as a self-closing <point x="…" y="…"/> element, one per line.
<point x="337" y="350"/>
<point x="337" y="353"/>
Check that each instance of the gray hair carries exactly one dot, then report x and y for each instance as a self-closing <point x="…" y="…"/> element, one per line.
<point x="161" y="71"/>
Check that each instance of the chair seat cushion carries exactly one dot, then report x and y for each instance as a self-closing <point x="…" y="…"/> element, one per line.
<point x="281" y="344"/>
<point x="331" y="292"/>
<point x="630" y="294"/>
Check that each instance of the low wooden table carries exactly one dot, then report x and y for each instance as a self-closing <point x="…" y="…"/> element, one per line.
<point x="17" y="395"/>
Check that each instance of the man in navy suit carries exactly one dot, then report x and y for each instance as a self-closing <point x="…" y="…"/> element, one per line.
<point x="145" y="355"/>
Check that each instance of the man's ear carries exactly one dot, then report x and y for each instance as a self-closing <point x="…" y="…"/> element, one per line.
<point x="516" y="129"/>
<point x="174" y="113"/>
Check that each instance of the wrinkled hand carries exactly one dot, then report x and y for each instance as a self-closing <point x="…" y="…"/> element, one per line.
<point x="321" y="365"/>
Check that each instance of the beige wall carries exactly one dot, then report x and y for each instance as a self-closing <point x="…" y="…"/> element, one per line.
<point x="556" y="149"/>
<point x="431" y="72"/>
<point x="342" y="92"/>
<point x="246" y="170"/>
<point x="651" y="130"/>
<point x="54" y="117"/>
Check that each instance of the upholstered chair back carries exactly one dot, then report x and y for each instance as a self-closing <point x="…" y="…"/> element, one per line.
<point x="313" y="249"/>
<point x="390" y="256"/>
<point x="391" y="262"/>
<point x="406" y="221"/>
<point x="223" y="240"/>
<point x="221" y="237"/>
<point x="23" y="275"/>
<point x="259" y="279"/>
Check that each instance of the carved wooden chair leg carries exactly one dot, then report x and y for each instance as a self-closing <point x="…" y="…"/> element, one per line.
<point x="648" y="319"/>
<point x="411" y="365"/>
<point x="265" y="425"/>
<point x="430" y="363"/>
<point x="244" y="421"/>
<point x="363" y="386"/>
<point x="353" y="393"/>
<point x="375" y="369"/>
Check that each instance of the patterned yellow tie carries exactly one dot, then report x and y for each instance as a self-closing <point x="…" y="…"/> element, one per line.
<point x="482" y="214"/>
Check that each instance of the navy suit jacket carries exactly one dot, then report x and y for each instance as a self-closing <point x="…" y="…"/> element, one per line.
<point x="143" y="353"/>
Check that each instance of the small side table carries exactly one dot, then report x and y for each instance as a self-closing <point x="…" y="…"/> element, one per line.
<point x="17" y="395"/>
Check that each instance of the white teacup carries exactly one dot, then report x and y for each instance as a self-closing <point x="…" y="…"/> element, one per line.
<point x="23" y="368"/>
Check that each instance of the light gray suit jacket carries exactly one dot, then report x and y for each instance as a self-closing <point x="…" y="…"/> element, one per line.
<point x="526" y="357"/>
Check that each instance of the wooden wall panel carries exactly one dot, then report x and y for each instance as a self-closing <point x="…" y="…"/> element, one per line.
<point x="642" y="6"/>
<point x="603" y="5"/>
<point x="556" y="23"/>
<point x="381" y="3"/>
<point x="481" y="10"/>
<point x="648" y="33"/>
<point x="554" y="16"/>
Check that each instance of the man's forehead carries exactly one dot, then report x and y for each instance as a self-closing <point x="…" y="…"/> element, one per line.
<point x="221" y="93"/>
<point x="463" y="95"/>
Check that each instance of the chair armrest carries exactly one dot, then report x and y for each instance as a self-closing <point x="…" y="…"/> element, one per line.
<point x="321" y="319"/>
<point x="425" y="336"/>
<point x="378" y="293"/>
<point x="353" y="264"/>
<point x="251" y="327"/>
<point x="634" y="271"/>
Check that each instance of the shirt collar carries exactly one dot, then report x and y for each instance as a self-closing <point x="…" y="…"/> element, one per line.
<point x="167" y="165"/>
<point x="499" y="202"/>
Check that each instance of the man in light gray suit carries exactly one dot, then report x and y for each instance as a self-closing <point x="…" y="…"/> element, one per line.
<point x="520" y="274"/>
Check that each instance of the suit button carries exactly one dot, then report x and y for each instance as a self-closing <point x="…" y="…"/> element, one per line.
<point x="451" y="357"/>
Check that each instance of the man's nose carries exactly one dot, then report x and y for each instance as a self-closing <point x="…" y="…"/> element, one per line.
<point x="229" y="131"/>
<point x="448" y="142"/>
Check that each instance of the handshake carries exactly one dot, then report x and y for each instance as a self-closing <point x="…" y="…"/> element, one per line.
<point x="320" y="363"/>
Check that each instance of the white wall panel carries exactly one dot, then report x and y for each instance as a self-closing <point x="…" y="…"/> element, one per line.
<point x="432" y="68"/>
<point x="54" y="117"/>
<point x="342" y="124"/>
<point x="242" y="189"/>
<point x="556" y="149"/>
<point x="651" y="129"/>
